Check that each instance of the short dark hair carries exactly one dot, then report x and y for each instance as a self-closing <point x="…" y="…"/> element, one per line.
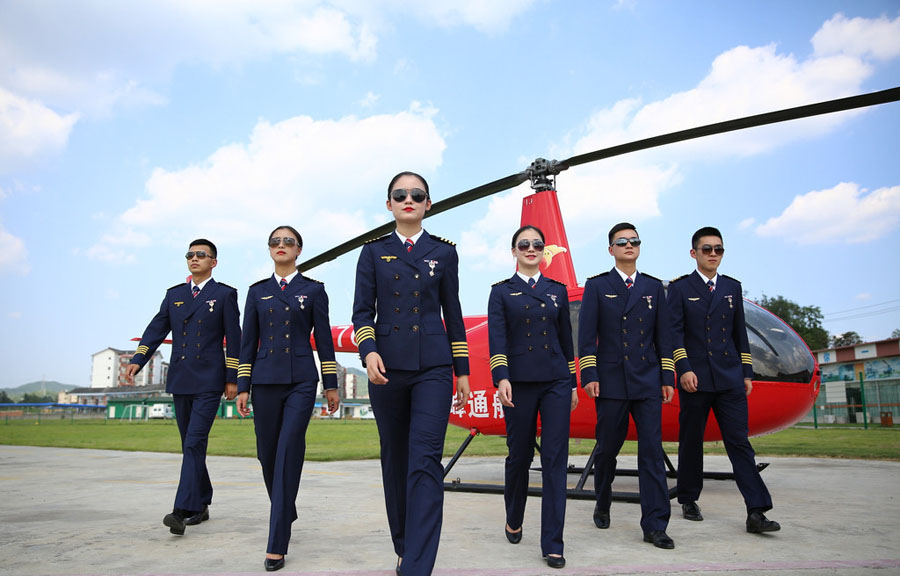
<point x="292" y="230"/>
<point x="524" y="228"/>
<point x="618" y="228"/>
<point x="705" y="231"/>
<point x="407" y="173"/>
<point x="213" y="253"/>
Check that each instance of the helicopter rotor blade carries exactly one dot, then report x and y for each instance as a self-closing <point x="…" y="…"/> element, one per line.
<point x="553" y="168"/>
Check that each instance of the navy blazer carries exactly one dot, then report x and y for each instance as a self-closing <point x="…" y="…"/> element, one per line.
<point x="399" y="300"/>
<point x="530" y="331"/>
<point x="709" y="332"/>
<point x="198" y="325"/>
<point x="624" y="340"/>
<point x="277" y="325"/>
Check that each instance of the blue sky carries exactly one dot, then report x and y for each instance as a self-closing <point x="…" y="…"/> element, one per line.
<point x="127" y="129"/>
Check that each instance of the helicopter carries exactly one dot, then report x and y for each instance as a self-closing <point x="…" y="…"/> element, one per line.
<point x="786" y="379"/>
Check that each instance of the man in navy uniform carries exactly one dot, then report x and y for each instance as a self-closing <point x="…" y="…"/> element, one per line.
<point x="712" y="356"/>
<point x="626" y="365"/>
<point x="199" y="313"/>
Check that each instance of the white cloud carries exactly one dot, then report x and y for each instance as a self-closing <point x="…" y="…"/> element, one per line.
<point x="845" y="214"/>
<point x="369" y="100"/>
<point x="118" y="246"/>
<point x="741" y="81"/>
<point x="326" y="177"/>
<point x="13" y="254"/>
<point x="877" y="38"/>
<point x="29" y="129"/>
<point x="746" y="223"/>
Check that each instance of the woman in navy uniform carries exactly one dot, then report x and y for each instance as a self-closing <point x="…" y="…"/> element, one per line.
<point x="277" y="362"/>
<point x="533" y="367"/>
<point x="405" y="281"/>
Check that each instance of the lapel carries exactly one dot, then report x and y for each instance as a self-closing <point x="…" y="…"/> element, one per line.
<point x="297" y="287"/>
<point x="701" y="289"/>
<point x="194" y="304"/>
<point x="425" y="245"/>
<point x="395" y="246"/>
<point x="637" y="290"/>
<point x="273" y="288"/>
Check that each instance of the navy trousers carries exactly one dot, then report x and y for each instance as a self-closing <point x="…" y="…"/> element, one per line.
<point x="411" y="412"/>
<point x="552" y="401"/>
<point x="281" y="414"/>
<point x="195" y="414"/>
<point x="730" y="408"/>
<point x="612" y="428"/>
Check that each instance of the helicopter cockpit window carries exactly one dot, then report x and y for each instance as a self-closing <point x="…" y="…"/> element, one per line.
<point x="779" y="355"/>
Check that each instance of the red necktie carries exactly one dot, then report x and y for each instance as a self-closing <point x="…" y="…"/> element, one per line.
<point x="195" y="290"/>
<point x="629" y="282"/>
<point x="283" y="284"/>
<point x="712" y="287"/>
<point x="408" y="244"/>
<point x="531" y="283"/>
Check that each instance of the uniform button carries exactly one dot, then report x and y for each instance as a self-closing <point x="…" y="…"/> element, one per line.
<point x="415" y="328"/>
<point x="726" y="353"/>
<point x="287" y="308"/>
<point x="723" y="340"/>
<point x="416" y="293"/>
<point x="396" y="328"/>
<point x="642" y="344"/>
<point x="530" y="348"/>
<point x="640" y="319"/>
<point x="625" y="344"/>
<point x="271" y="310"/>
<point x="201" y="321"/>
<point x="543" y="305"/>
<point x="723" y="328"/>
<point x="396" y="276"/>
<point x="182" y="357"/>
<point x="286" y="350"/>
<point x="643" y="357"/>
<point x="626" y="357"/>
<point x="288" y="336"/>
<point x="287" y="322"/>
<point x="624" y="317"/>
<point x="415" y="309"/>
<point x="642" y="332"/>
<point x="271" y="350"/>
<point x="528" y="334"/>
<point x="546" y="346"/>
<point x="271" y="337"/>
<point x="185" y="321"/>
<point x="545" y="332"/>
<point x="527" y="306"/>
<point x="710" y="352"/>
<point x="396" y="310"/>
<point x="544" y="318"/>
<point x="723" y="316"/>
<point x="198" y="356"/>
<point x="624" y="330"/>
<point x="270" y="324"/>
<point x="184" y="345"/>
<point x="707" y="328"/>
<point x="528" y="320"/>
<point x="707" y="316"/>
<point x="198" y="344"/>
<point x="709" y="339"/>
<point x="184" y="333"/>
<point x="416" y="276"/>
<point x="396" y="294"/>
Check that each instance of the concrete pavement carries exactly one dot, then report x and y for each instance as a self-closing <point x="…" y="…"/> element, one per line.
<point x="90" y="512"/>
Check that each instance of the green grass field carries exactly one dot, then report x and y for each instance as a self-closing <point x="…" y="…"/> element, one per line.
<point x="358" y="439"/>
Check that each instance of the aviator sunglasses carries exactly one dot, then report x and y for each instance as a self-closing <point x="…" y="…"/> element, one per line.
<point x="201" y="254"/>
<point x="623" y="241"/>
<point x="417" y="194"/>
<point x="707" y="249"/>
<point x="523" y="245"/>
<point x="287" y="241"/>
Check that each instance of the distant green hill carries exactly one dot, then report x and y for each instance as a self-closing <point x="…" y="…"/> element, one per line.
<point x="50" y="386"/>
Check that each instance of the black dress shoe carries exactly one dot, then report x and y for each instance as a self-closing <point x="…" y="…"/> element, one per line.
<point x="660" y="539"/>
<point x="197" y="518"/>
<point x="556" y="561"/>
<point x="273" y="564"/>
<point x="601" y="518"/>
<point x="691" y="511"/>
<point x="757" y="523"/>
<point x="513" y="537"/>
<point x="175" y="522"/>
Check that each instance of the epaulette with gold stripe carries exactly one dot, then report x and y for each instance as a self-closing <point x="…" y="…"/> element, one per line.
<point x="504" y="281"/>
<point x="651" y="277"/>
<point x="314" y="280"/>
<point x="598" y="275"/>
<point x="555" y="281"/>
<point x="679" y="278"/>
<point x="225" y="285"/>
<point x="261" y="281"/>
<point x="179" y="285"/>
<point x="444" y="240"/>
<point x="730" y="278"/>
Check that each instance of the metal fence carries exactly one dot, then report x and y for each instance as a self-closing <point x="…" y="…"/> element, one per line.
<point x="865" y="403"/>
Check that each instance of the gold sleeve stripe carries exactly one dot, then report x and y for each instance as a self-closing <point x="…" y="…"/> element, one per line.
<point x="667" y="364"/>
<point x="231" y="363"/>
<point x="588" y="361"/>
<point x="679" y="354"/>
<point x="498" y="360"/>
<point x="572" y="367"/>
<point x="329" y="367"/>
<point x="460" y="345"/>
<point x="365" y="333"/>
<point x="460" y="349"/>
<point x="142" y="350"/>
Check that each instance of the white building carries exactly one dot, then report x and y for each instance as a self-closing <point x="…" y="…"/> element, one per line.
<point x="108" y="369"/>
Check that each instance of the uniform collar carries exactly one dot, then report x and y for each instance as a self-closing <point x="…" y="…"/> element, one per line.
<point x="715" y="279"/>
<point x="200" y="285"/>
<point x="415" y="237"/>
<point x="624" y="275"/>
<point x="287" y="279"/>
<point x="537" y="277"/>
